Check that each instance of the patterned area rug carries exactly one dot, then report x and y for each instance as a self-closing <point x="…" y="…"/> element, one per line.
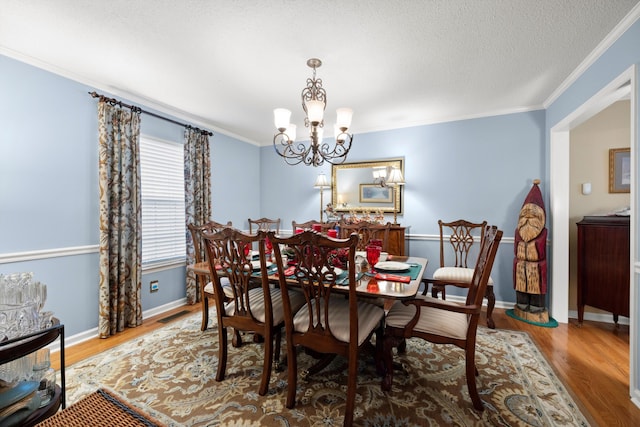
<point x="169" y="374"/>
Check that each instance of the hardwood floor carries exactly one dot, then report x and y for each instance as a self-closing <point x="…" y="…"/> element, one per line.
<point x="592" y="361"/>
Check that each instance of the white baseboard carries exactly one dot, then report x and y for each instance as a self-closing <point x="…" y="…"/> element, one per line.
<point x="599" y="317"/>
<point x="573" y="314"/>
<point x="93" y="333"/>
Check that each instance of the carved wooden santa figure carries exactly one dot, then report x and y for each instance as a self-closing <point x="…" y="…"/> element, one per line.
<point x="530" y="262"/>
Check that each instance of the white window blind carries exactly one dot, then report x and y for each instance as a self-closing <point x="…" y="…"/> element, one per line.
<point x="163" y="214"/>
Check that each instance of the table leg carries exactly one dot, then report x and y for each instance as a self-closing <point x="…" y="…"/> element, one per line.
<point x="491" y="303"/>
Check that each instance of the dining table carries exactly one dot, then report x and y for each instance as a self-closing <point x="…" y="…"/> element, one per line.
<point x="400" y="279"/>
<point x="374" y="282"/>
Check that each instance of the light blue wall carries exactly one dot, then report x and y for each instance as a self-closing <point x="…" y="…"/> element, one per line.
<point x="49" y="188"/>
<point x="624" y="53"/>
<point x="473" y="169"/>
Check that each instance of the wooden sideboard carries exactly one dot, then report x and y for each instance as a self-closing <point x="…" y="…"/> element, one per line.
<point x="396" y="240"/>
<point x="604" y="265"/>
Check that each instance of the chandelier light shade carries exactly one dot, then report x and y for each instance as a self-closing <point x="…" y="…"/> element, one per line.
<point x="314" y="102"/>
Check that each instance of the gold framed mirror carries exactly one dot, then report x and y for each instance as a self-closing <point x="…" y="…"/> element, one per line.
<point x="360" y="186"/>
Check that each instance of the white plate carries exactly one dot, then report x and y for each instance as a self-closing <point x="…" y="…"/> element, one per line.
<point x="256" y="264"/>
<point x="392" y="266"/>
<point x="336" y="270"/>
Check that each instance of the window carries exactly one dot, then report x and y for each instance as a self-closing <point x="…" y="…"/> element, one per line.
<point x="163" y="212"/>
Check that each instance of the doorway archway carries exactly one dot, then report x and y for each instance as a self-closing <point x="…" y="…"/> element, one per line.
<point x="621" y="87"/>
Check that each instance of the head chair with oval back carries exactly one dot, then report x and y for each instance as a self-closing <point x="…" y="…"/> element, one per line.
<point x="444" y="322"/>
<point x="456" y="261"/>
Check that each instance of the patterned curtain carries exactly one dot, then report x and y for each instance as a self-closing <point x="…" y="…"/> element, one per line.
<point x="120" y="219"/>
<point x="197" y="182"/>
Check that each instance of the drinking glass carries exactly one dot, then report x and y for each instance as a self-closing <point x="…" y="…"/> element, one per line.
<point x="373" y="255"/>
<point x="375" y="242"/>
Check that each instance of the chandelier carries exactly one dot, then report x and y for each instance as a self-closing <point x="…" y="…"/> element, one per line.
<point x="314" y="102"/>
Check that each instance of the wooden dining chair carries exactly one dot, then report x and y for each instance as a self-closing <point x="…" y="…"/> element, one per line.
<point x="444" y="322"/>
<point x="203" y="280"/>
<point x="456" y="264"/>
<point x="264" y="224"/>
<point x="367" y="231"/>
<point x="328" y="323"/>
<point x="308" y="225"/>
<point x="256" y="309"/>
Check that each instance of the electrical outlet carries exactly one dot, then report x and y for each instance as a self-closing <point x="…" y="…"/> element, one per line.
<point x="154" y="286"/>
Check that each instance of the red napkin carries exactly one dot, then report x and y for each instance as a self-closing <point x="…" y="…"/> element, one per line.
<point x="289" y="271"/>
<point x="393" y="277"/>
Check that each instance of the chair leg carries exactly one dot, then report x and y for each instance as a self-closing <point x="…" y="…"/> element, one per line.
<point x="352" y="376"/>
<point x="292" y="375"/>
<point x="471" y="378"/>
<point x="387" y="356"/>
<point x="491" y="303"/>
<point x="276" y="361"/>
<point x="222" y="353"/>
<point x="205" y="313"/>
<point x="266" y="365"/>
<point x="436" y="289"/>
<point x="378" y="358"/>
<point x="236" y="341"/>
<point x="402" y="346"/>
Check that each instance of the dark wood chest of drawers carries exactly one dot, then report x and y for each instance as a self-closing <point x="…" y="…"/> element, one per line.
<point x="604" y="264"/>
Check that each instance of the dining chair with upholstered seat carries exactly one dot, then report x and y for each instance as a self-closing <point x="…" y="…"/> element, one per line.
<point x="203" y="280"/>
<point x="308" y="225"/>
<point x="264" y="224"/>
<point x="367" y="231"/>
<point x="328" y="323"/>
<point x="255" y="309"/>
<point x="444" y="322"/>
<point x="456" y="261"/>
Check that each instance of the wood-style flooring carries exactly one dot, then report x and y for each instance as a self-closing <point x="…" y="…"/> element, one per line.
<point x="592" y="361"/>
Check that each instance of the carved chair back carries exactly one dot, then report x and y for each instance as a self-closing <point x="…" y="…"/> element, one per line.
<point x="367" y="231"/>
<point x="264" y="224"/>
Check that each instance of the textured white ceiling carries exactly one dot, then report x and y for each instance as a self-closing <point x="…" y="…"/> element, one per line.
<point x="226" y="64"/>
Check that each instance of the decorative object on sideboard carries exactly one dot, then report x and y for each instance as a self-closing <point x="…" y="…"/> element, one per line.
<point x="314" y="102"/>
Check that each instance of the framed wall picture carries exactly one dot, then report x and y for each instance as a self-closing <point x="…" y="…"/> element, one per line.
<point x="619" y="170"/>
<point x="374" y="193"/>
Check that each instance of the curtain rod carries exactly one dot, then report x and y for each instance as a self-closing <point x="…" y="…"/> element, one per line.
<point x="134" y="108"/>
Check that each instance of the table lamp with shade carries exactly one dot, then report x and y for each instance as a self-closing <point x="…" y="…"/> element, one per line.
<point x="395" y="180"/>
<point x="321" y="183"/>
